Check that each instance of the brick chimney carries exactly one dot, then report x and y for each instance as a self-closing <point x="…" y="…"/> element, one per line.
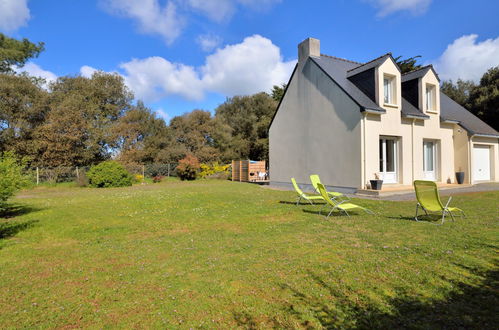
<point x="308" y="47"/>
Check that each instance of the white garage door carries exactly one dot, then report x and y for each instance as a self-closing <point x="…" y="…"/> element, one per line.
<point x="481" y="163"/>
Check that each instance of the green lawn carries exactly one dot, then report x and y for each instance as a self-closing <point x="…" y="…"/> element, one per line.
<point x="215" y="254"/>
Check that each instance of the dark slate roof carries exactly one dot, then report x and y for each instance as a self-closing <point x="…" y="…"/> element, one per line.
<point x="336" y="69"/>
<point x="418" y="73"/>
<point x="368" y="65"/>
<point x="408" y="110"/>
<point x="452" y="111"/>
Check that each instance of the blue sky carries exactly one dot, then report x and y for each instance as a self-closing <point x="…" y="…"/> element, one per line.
<point x="179" y="55"/>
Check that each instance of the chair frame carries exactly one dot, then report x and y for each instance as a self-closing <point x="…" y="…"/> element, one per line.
<point x="302" y="195"/>
<point x="335" y="204"/>
<point x="444" y="208"/>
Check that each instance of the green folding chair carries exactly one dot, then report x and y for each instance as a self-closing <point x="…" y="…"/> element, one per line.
<point x="301" y="195"/>
<point x="314" y="178"/>
<point x="341" y="206"/>
<point x="429" y="200"/>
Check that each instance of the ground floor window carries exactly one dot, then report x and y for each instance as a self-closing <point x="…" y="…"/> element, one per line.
<point x="429" y="160"/>
<point x="388" y="154"/>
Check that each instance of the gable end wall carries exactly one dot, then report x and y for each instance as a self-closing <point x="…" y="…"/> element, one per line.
<point x="317" y="130"/>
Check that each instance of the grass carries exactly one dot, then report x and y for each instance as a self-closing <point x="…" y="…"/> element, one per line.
<point x="214" y="254"/>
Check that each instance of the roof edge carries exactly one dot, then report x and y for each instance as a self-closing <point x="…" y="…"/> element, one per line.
<point x="283" y="95"/>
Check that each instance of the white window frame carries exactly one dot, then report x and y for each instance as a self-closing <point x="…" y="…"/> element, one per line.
<point x="430" y="96"/>
<point x="389" y="94"/>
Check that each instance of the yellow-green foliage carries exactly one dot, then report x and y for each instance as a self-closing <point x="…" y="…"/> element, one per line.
<point x="138" y="178"/>
<point x="208" y="170"/>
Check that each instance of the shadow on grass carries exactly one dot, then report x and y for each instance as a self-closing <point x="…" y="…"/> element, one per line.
<point x="9" y="229"/>
<point x="325" y="212"/>
<point x="466" y="307"/>
<point x="15" y="210"/>
<point x="301" y="203"/>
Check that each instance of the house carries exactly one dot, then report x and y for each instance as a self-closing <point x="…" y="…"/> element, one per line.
<point x="346" y="121"/>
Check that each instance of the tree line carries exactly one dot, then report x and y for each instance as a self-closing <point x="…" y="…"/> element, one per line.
<point x="79" y="121"/>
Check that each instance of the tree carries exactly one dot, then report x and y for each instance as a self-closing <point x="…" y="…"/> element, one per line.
<point x="277" y="92"/>
<point x="249" y="118"/>
<point x="459" y="92"/>
<point x="409" y="64"/>
<point x="16" y="53"/>
<point x="23" y="108"/>
<point x="140" y="136"/>
<point x="77" y="130"/>
<point x="484" y="98"/>
<point x="192" y="133"/>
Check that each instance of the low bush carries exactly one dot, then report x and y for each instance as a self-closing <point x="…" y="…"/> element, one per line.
<point x="215" y="171"/>
<point x="138" y="178"/>
<point x="12" y="177"/>
<point x="188" y="168"/>
<point x="157" y="178"/>
<point x="109" y="174"/>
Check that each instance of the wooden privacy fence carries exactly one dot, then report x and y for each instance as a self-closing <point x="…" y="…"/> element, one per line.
<point x="249" y="171"/>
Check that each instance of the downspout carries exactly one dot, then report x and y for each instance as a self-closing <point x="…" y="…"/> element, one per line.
<point x="470" y="174"/>
<point x="363" y="183"/>
<point x="412" y="148"/>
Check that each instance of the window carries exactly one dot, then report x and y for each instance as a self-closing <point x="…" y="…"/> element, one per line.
<point x="431" y="98"/>
<point x="389" y="90"/>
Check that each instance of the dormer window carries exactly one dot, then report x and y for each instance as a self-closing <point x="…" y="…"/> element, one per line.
<point x="431" y="99"/>
<point x="389" y="90"/>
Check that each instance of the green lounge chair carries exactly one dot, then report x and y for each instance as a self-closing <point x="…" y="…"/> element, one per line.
<point x="341" y="206"/>
<point x="302" y="195"/>
<point x="314" y="178"/>
<point x="429" y="200"/>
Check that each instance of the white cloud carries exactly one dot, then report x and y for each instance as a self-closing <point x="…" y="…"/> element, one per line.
<point x="35" y="70"/>
<point x="387" y="7"/>
<point x="13" y="14"/>
<point x="170" y="19"/>
<point x="87" y="71"/>
<point x="467" y="58"/>
<point x="208" y="42"/>
<point x="155" y="77"/>
<point x="252" y="66"/>
<point x="216" y="10"/>
<point x="150" y="16"/>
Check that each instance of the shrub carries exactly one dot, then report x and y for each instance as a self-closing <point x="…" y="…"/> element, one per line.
<point x="12" y="177"/>
<point x="138" y="178"/>
<point x="188" y="168"/>
<point x="109" y="174"/>
<point x="157" y="178"/>
<point x="214" y="171"/>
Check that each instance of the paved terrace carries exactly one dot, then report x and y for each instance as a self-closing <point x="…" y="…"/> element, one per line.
<point x="403" y="193"/>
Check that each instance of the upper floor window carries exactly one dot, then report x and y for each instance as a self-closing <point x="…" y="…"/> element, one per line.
<point x="431" y="102"/>
<point x="389" y="89"/>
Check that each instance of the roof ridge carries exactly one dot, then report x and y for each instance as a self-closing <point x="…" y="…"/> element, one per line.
<point x="421" y="68"/>
<point x="341" y="59"/>
<point x="377" y="58"/>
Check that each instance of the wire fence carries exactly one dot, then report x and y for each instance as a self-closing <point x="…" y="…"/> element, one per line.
<point x="60" y="174"/>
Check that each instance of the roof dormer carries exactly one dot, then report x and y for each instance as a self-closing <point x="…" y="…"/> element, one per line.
<point x="380" y="80"/>
<point x="422" y="89"/>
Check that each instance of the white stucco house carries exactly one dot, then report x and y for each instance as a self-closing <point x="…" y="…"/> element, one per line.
<point x="346" y="121"/>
